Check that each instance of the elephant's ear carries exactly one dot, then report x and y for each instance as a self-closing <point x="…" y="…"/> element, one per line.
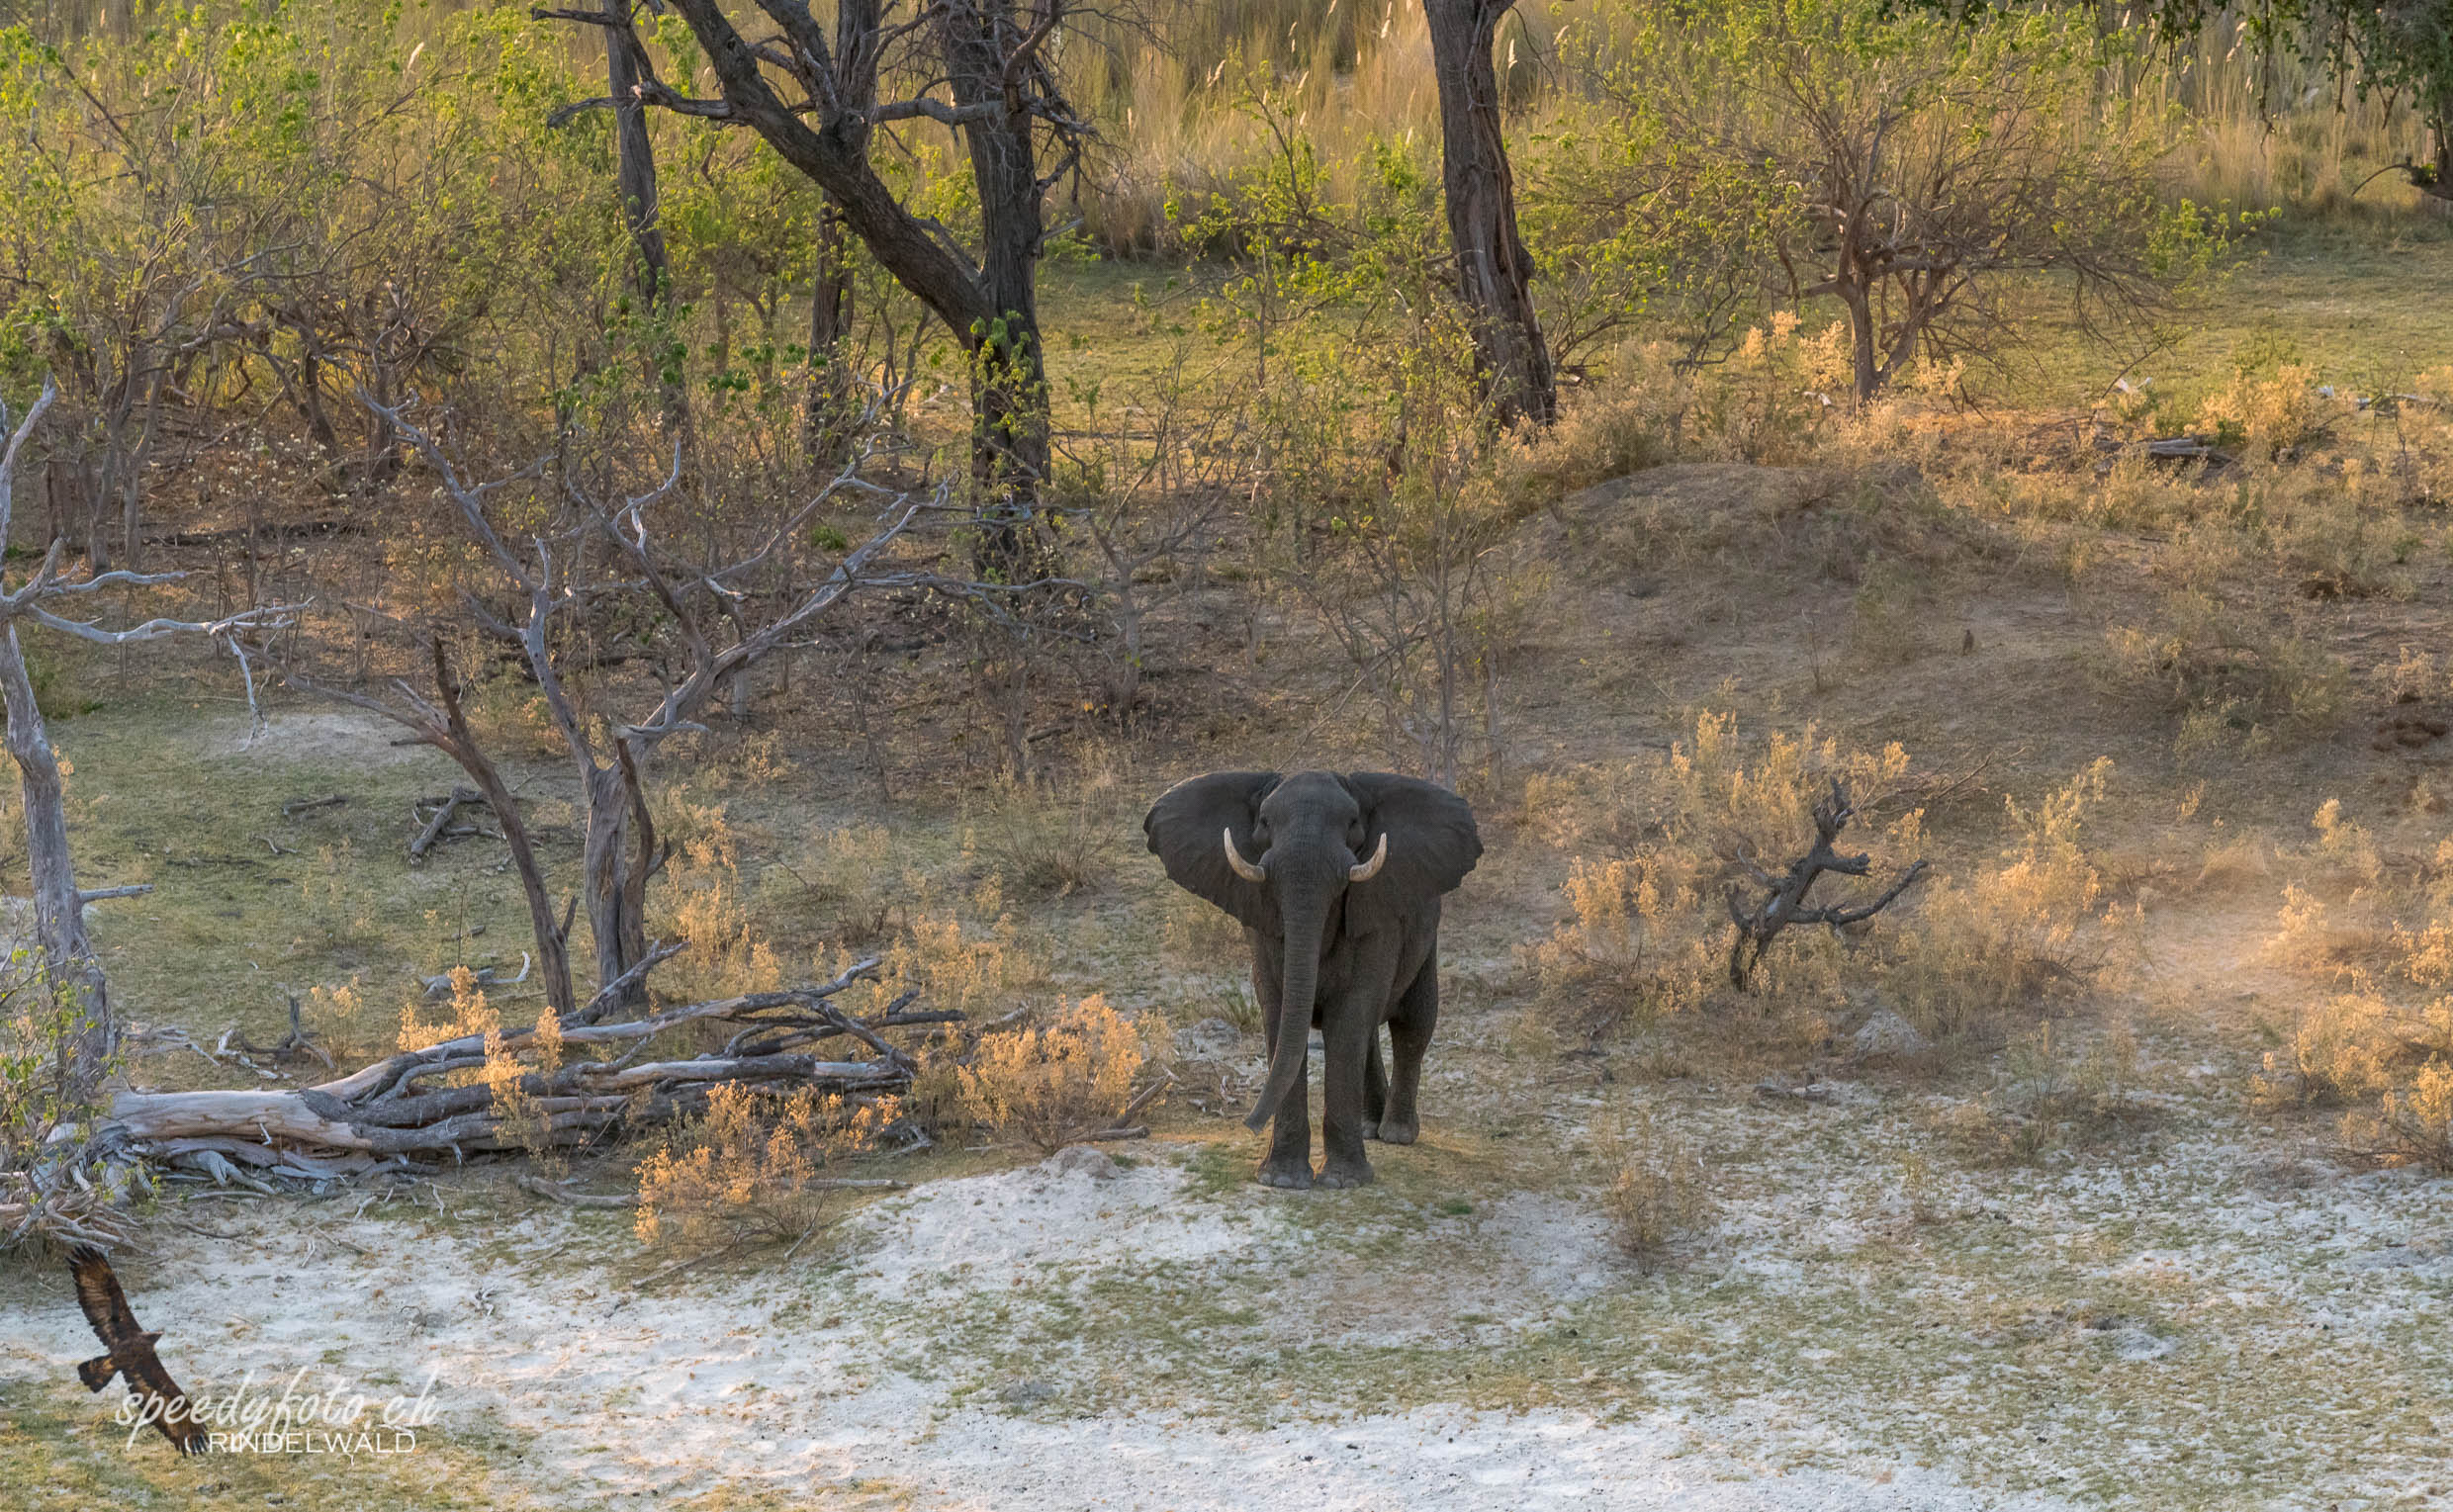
<point x="1186" y="827"/>
<point x="1432" y="845"/>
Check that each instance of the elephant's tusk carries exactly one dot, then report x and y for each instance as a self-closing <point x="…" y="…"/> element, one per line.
<point x="1364" y="872"/>
<point x="1243" y="869"/>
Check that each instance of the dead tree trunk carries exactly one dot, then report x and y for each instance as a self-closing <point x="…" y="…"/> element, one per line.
<point x="58" y="911"/>
<point x="59" y="905"/>
<point x="1493" y="271"/>
<point x="621" y="854"/>
<point x="404" y="1106"/>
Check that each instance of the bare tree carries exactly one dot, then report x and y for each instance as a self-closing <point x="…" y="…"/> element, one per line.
<point x="725" y="615"/>
<point x="59" y="903"/>
<point x="1493" y="270"/>
<point x="815" y="101"/>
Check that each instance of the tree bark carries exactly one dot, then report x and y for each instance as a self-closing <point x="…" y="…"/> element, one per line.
<point x="650" y="269"/>
<point x="59" y="910"/>
<point x="1493" y="270"/>
<point x="553" y="945"/>
<point x="991" y="308"/>
<point x="1009" y="438"/>
<point x="825" y="433"/>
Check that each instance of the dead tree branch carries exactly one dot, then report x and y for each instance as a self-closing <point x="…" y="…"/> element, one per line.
<point x="1787" y="902"/>
<point x="408" y="1106"/>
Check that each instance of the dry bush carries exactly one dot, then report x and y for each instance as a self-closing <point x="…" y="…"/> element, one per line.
<point x="340" y="1020"/>
<point x="1772" y="399"/>
<point x="984" y="971"/>
<point x="1601" y="433"/>
<point x="704" y="905"/>
<point x="2046" y="1099"/>
<point x="1055" y="1082"/>
<point x="468" y="1014"/>
<point x="1649" y="933"/>
<point x="524" y="1124"/>
<point x="2389" y="1064"/>
<point x="1200" y="935"/>
<point x="971" y="968"/>
<point x="1044" y="838"/>
<point x="849" y="879"/>
<point x="1660" y="1197"/>
<point x="2382" y="1047"/>
<point x="751" y="1168"/>
<point x="743" y="759"/>
<point x="2276" y="411"/>
<point x="1998" y="943"/>
<point x="2238" y="675"/>
<point x="2340" y="912"/>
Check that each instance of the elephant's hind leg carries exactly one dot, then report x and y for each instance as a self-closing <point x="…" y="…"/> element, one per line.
<point x="1375" y="1089"/>
<point x="1409" y="1034"/>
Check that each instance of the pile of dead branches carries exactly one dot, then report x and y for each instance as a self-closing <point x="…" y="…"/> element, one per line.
<point x="453" y="1098"/>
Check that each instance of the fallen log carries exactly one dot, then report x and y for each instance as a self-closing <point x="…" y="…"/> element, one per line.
<point x="404" y="1105"/>
<point x="444" y="807"/>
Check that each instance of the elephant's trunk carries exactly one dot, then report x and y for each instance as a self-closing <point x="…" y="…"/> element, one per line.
<point x="1305" y="918"/>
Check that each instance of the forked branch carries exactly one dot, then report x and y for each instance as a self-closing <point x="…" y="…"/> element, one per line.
<point x="1785" y="903"/>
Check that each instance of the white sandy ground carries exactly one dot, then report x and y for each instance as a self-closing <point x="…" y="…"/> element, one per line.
<point x="744" y="1378"/>
<point x="955" y="1354"/>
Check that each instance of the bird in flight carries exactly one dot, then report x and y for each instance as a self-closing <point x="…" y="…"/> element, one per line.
<point x="129" y="1351"/>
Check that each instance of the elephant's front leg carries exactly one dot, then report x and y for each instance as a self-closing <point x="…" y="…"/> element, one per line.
<point x="1289" y="1163"/>
<point x="1347" y="1037"/>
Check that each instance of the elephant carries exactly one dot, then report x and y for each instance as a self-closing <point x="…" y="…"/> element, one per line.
<point x="1337" y="879"/>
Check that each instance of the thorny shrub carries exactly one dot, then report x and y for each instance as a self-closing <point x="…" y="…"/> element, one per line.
<point x="1055" y="1082"/>
<point x="751" y="1168"/>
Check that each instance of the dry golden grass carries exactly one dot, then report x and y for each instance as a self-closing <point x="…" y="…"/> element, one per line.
<point x="1055" y="1083"/>
<point x="1048" y="839"/>
<point x="1660" y="1196"/>
<point x="749" y="1170"/>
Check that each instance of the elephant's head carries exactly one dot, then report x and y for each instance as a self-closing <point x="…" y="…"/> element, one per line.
<point x="1280" y="853"/>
